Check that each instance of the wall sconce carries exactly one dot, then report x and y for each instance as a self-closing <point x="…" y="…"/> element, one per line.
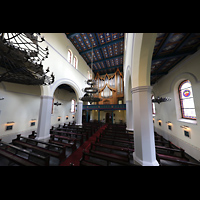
<point x="32" y="122"/>
<point x="57" y="104"/>
<point x="67" y="117"/>
<point x="9" y="125"/>
<point x="169" y="124"/>
<point x="73" y="116"/>
<point x="159" y="122"/>
<point x="185" y="127"/>
<point x="59" y="117"/>
<point x="186" y="130"/>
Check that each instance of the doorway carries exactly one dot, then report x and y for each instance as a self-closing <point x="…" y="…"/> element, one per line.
<point x="108" y="118"/>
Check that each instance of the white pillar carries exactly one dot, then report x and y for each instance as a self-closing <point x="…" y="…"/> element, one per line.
<point x="144" y="142"/>
<point x="129" y="115"/>
<point x="79" y="113"/>
<point x="44" y="121"/>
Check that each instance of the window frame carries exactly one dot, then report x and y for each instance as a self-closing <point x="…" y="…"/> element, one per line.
<point x="181" y="101"/>
<point x="74" y="110"/>
<point x="75" y="62"/>
<point x="153" y="105"/>
<point x="69" y="58"/>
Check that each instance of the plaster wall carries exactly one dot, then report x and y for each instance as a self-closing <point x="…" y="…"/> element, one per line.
<point x="170" y="111"/>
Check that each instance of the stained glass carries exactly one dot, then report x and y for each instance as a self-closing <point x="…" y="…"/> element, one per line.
<point x="186" y="100"/>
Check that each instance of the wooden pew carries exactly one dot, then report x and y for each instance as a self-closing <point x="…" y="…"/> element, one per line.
<point x="179" y="160"/>
<point x="33" y="135"/>
<point x="114" y="147"/>
<point x="101" y="157"/>
<point x="109" y="147"/>
<point x="86" y="162"/>
<point x="114" y="141"/>
<point x="66" y="133"/>
<point x="120" y="133"/>
<point x="80" y="131"/>
<point x="54" y="150"/>
<point x="60" y="141"/>
<point x="170" y="151"/>
<point x="115" y="136"/>
<point x="75" y="129"/>
<point x="22" y="156"/>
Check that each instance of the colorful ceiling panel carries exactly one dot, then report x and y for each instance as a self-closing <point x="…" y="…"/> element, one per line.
<point x="169" y="50"/>
<point x="108" y="50"/>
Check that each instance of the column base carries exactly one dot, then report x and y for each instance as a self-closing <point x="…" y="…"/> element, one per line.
<point x="129" y="129"/>
<point x="44" y="138"/>
<point x="79" y="124"/>
<point x="140" y="162"/>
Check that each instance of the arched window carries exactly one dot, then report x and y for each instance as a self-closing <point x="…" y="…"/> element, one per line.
<point x="75" y="63"/>
<point x="69" y="57"/>
<point x="73" y="106"/>
<point x="153" y="106"/>
<point x="186" y="100"/>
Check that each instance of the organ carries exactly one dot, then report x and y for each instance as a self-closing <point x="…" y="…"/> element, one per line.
<point x="110" y="87"/>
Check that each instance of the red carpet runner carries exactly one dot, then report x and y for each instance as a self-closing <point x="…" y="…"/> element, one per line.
<point x="76" y="155"/>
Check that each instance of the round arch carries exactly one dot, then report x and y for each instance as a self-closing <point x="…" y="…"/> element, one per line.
<point x="68" y="82"/>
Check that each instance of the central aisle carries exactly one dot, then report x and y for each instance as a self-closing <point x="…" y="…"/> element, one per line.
<point x="76" y="155"/>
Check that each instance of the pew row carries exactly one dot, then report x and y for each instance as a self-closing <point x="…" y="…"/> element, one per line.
<point x="21" y="156"/>
<point x="45" y="148"/>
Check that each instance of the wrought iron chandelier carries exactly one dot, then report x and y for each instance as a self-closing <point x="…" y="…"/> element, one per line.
<point x="21" y="59"/>
<point x="90" y="91"/>
<point x="161" y="99"/>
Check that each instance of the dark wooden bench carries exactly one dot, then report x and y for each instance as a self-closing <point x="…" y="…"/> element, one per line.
<point x="54" y="150"/>
<point x="22" y="156"/>
<point x="33" y="135"/>
<point x="112" y="155"/>
<point x="129" y="135"/>
<point x="85" y="132"/>
<point x="114" y="141"/>
<point x="65" y="133"/>
<point x="163" y="143"/>
<point x="179" y="160"/>
<point x="105" y="158"/>
<point x="86" y="162"/>
<point x="114" y="147"/>
<point x="60" y="139"/>
<point x="171" y="151"/>
<point x="114" y="136"/>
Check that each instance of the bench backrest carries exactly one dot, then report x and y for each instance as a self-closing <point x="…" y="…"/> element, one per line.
<point x="33" y="157"/>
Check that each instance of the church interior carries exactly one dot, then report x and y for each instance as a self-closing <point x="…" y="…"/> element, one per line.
<point x="99" y="99"/>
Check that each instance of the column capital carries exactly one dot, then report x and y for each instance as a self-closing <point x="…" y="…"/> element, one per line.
<point x="46" y="97"/>
<point x="79" y="102"/>
<point x="141" y="89"/>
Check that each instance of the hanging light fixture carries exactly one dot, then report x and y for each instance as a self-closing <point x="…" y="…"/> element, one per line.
<point x="90" y="91"/>
<point x="21" y="59"/>
<point x="161" y="99"/>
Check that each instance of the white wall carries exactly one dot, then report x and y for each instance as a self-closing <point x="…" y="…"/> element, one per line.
<point x="170" y="111"/>
<point x="57" y="62"/>
<point x="21" y="105"/>
<point x="22" y="102"/>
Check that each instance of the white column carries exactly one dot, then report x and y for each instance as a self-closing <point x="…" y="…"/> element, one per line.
<point x="129" y="115"/>
<point x="79" y="113"/>
<point x="144" y="142"/>
<point x="44" y="121"/>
